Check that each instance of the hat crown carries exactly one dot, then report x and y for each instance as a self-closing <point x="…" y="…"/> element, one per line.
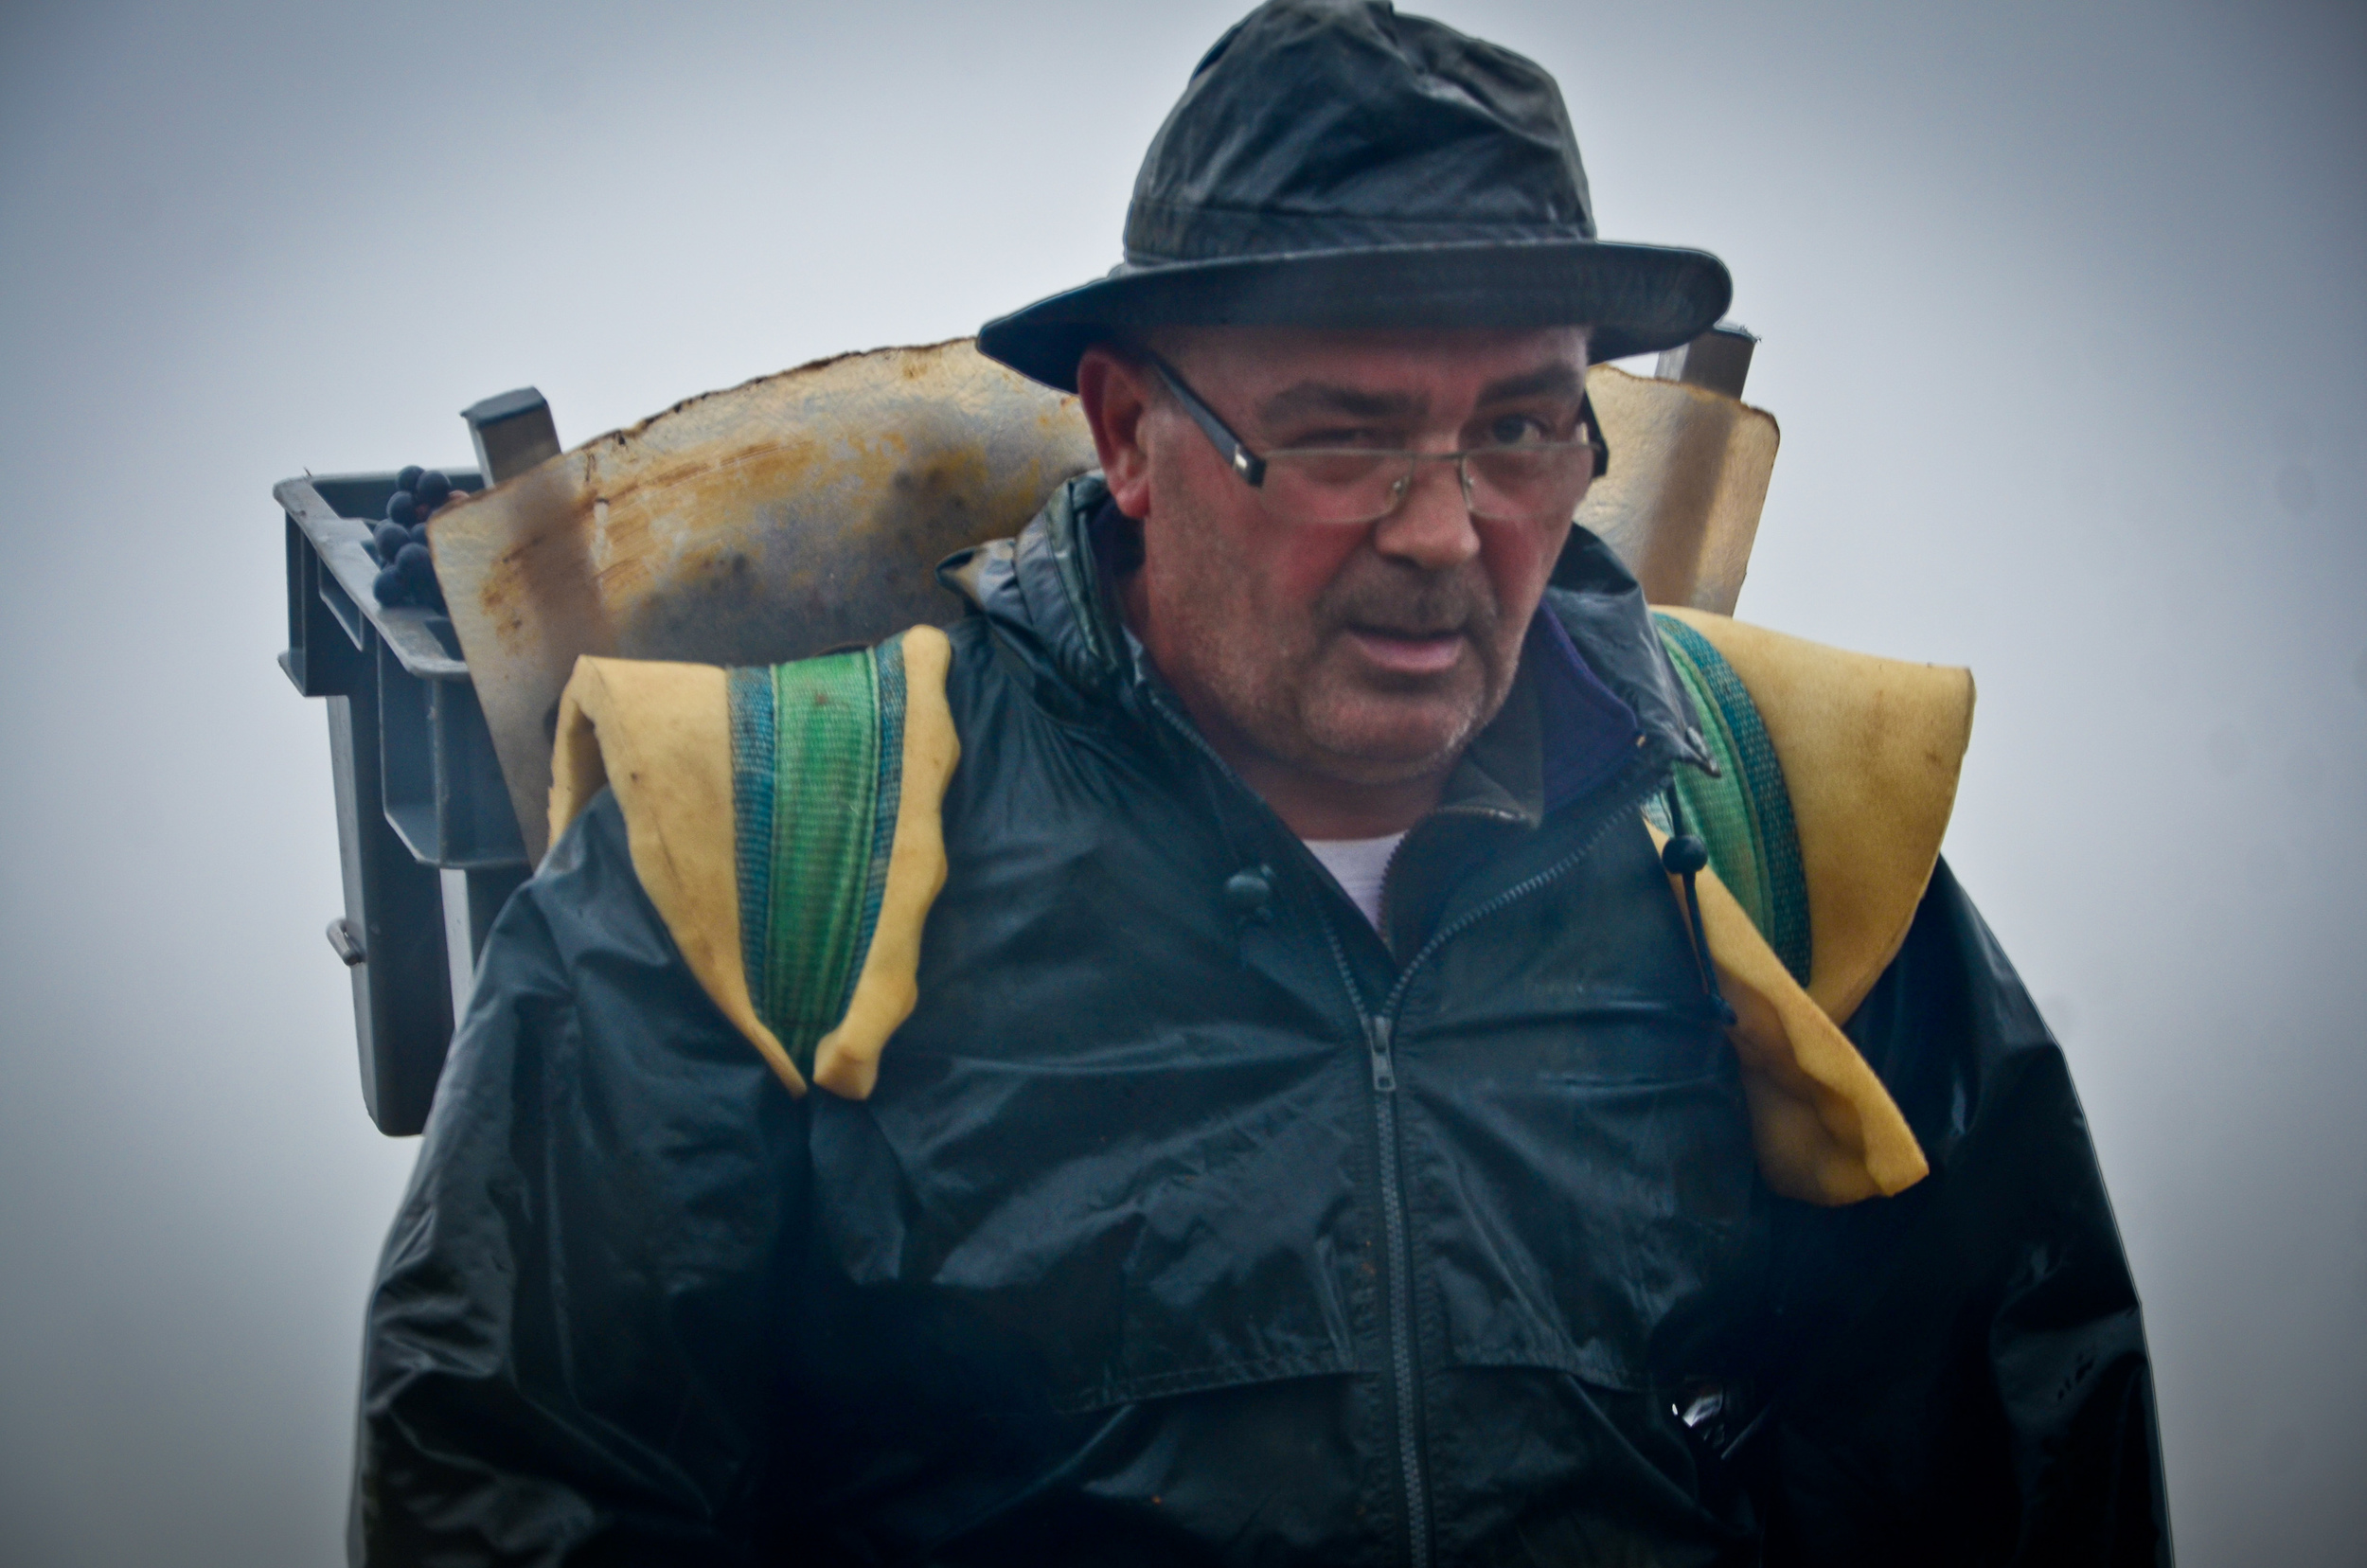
<point x="1335" y="165"/>
<point x="1319" y="124"/>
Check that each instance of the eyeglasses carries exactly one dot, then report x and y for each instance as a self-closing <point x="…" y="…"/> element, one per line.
<point x="1516" y="482"/>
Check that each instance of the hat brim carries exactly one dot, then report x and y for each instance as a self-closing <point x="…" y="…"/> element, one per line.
<point x="1637" y="299"/>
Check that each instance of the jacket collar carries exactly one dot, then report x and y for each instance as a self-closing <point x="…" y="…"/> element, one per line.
<point x="1595" y="688"/>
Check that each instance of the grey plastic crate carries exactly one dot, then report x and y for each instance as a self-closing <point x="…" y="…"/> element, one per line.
<point x="428" y="842"/>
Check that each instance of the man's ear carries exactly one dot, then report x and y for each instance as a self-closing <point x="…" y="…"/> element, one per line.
<point x="1115" y="392"/>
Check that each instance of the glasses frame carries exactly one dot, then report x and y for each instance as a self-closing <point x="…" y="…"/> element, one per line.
<point x="1251" y="466"/>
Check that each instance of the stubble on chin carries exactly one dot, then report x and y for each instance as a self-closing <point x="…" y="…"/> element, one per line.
<point x="1370" y="725"/>
<point x="1386" y="731"/>
<point x="1325" y="713"/>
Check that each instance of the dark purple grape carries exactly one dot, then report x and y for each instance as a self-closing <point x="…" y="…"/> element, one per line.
<point x="389" y="587"/>
<point x="431" y="491"/>
<point x="409" y="479"/>
<point x="418" y="569"/>
<point x="417" y="534"/>
<point x="389" y="538"/>
<point x="403" y="508"/>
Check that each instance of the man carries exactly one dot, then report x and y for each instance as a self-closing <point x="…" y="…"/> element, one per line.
<point x="1273" y="1098"/>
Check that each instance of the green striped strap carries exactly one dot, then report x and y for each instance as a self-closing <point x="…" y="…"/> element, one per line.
<point x="817" y="760"/>
<point x="1744" y="813"/>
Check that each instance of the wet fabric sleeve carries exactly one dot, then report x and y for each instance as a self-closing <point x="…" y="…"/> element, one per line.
<point x="1969" y="1383"/>
<point x="571" y="1345"/>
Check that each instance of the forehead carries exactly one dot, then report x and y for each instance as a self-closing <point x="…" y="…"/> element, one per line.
<point x="1445" y="362"/>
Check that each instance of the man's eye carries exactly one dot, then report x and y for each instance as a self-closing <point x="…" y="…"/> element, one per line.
<point x="1516" y="430"/>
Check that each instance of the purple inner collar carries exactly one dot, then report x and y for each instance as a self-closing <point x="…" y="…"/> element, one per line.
<point x="1585" y="731"/>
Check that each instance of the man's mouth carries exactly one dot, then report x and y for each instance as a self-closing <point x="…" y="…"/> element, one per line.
<point x="1408" y="652"/>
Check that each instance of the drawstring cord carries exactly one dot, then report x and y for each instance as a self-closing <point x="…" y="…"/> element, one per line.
<point x="1248" y="893"/>
<point x="1684" y="855"/>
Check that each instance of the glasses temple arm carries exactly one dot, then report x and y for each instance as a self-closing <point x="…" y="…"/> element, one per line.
<point x="1595" y="434"/>
<point x="1246" y="463"/>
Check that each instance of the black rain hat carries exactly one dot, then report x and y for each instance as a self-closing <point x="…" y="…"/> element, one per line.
<point x="1333" y="164"/>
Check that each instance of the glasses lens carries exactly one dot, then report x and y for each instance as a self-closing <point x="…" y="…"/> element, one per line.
<point x="1530" y="483"/>
<point x="1538" y="483"/>
<point x="1340" y="487"/>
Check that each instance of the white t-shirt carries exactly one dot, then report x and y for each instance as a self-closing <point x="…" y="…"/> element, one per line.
<point x="1359" y="865"/>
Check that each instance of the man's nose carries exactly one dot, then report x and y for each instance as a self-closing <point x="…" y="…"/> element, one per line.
<point x="1432" y="526"/>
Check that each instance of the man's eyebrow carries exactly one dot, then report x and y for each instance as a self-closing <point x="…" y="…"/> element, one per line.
<point x="1329" y="397"/>
<point x="1559" y="380"/>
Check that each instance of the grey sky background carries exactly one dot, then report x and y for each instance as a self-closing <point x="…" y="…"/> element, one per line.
<point x="2062" y="318"/>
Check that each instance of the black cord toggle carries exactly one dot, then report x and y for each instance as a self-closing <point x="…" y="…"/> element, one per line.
<point x="1685" y="856"/>
<point x="1250" y="893"/>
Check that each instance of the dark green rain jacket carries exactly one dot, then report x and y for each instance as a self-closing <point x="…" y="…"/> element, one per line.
<point x="1186" y="1226"/>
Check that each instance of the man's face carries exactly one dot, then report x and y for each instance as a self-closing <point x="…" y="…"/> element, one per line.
<point x="1365" y="655"/>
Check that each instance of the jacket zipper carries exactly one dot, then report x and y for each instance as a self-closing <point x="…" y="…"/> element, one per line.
<point x="1628" y="793"/>
<point x="1403" y="1373"/>
<point x="1379" y="1031"/>
<point x="1389" y="872"/>
<point x="1380" y="1041"/>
